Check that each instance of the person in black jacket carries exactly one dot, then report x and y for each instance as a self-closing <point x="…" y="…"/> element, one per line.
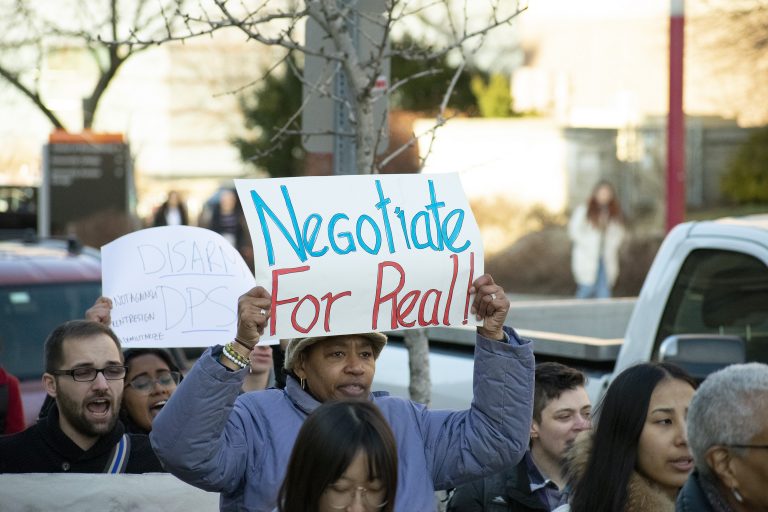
<point x="561" y="410"/>
<point x="85" y="374"/>
<point x="172" y="212"/>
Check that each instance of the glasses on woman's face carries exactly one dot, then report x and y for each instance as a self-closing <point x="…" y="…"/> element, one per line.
<point x="341" y="498"/>
<point x="145" y="383"/>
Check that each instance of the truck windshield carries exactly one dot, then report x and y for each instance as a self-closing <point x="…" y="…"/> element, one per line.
<point x="29" y="313"/>
<point x="720" y="292"/>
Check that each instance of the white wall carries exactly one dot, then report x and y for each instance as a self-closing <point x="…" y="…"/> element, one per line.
<point x="520" y="160"/>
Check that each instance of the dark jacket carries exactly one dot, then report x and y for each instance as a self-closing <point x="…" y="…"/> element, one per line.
<point x="697" y="495"/>
<point x="160" y="219"/>
<point x="44" y="448"/>
<point x="509" y="491"/>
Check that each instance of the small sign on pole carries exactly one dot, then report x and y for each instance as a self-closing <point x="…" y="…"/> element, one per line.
<point x="323" y="112"/>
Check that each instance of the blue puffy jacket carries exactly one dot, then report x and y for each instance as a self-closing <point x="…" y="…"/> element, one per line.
<point x="240" y="446"/>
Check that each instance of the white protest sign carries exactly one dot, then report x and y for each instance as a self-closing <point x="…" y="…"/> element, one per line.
<point x="346" y="254"/>
<point x="173" y="286"/>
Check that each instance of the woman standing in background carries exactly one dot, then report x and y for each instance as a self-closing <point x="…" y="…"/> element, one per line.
<point x="596" y="230"/>
<point x="172" y="212"/>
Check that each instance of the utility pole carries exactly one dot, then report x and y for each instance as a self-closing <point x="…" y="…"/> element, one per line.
<point x="344" y="144"/>
<point x="676" y="118"/>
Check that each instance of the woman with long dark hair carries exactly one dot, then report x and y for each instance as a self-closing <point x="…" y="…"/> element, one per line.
<point x="596" y="230"/>
<point x="345" y="458"/>
<point x="637" y="457"/>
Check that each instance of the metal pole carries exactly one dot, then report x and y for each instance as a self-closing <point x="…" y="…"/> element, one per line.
<point x="676" y="118"/>
<point x="344" y="144"/>
<point x="44" y="196"/>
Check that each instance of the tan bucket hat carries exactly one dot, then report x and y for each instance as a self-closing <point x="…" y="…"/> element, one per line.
<point x="297" y="345"/>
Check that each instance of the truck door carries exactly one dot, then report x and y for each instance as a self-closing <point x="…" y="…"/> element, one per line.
<point x="719" y="292"/>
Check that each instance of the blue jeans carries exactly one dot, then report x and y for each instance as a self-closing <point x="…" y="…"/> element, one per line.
<point x="598" y="290"/>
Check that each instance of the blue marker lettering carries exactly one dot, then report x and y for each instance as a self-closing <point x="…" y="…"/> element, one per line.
<point x="401" y="215"/>
<point x="343" y="235"/>
<point x="433" y="207"/>
<point x="382" y="205"/>
<point x="310" y="241"/>
<point x="450" y="239"/>
<point x="296" y="243"/>
<point x="376" y="231"/>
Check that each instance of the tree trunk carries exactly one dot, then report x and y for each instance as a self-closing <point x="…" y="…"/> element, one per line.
<point x="365" y="136"/>
<point x="420" y="387"/>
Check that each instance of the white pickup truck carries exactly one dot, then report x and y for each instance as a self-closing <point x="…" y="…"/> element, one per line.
<point x="703" y="305"/>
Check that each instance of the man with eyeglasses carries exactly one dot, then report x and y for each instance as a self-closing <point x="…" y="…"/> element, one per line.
<point x="85" y="374"/>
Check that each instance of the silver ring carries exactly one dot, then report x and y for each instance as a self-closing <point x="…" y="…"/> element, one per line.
<point x="263" y="313"/>
<point x="493" y="296"/>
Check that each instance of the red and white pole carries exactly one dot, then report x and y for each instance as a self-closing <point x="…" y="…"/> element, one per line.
<point x="676" y="118"/>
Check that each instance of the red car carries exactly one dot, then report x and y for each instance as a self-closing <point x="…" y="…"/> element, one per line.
<point x="42" y="284"/>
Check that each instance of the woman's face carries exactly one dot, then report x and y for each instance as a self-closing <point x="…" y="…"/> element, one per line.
<point x="355" y="490"/>
<point x="604" y="195"/>
<point x="662" y="454"/>
<point x="149" y="384"/>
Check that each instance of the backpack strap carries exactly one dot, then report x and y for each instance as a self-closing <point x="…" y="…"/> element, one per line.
<point x="118" y="459"/>
<point x="3" y="406"/>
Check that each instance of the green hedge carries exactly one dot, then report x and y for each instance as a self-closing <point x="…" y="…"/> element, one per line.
<point x="746" y="180"/>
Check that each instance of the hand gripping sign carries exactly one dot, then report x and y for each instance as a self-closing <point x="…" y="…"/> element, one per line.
<point x="173" y="286"/>
<point x="346" y="254"/>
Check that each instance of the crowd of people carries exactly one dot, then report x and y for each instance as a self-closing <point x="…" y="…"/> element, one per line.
<point x="325" y="441"/>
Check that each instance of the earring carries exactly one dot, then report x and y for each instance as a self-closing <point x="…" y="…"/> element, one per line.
<point x="737" y="495"/>
<point x="303" y="382"/>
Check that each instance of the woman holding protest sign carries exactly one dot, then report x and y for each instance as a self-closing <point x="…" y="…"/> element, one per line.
<point x="240" y="446"/>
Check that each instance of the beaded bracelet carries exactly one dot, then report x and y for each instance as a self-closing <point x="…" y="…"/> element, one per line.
<point x="234" y="357"/>
<point x="234" y="353"/>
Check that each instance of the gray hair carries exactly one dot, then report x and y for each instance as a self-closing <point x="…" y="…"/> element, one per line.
<point x="729" y="407"/>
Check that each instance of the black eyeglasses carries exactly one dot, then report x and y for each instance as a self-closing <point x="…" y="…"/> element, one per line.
<point x="145" y="383"/>
<point x="87" y="374"/>
<point x="755" y="446"/>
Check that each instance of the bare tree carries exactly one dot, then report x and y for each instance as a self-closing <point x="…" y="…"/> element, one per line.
<point x="32" y="33"/>
<point x="454" y="28"/>
<point x="728" y="40"/>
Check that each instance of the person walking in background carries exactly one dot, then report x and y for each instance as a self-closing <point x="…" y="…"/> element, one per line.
<point x="345" y="458"/>
<point x="172" y="212"/>
<point x="596" y="230"/>
<point x="227" y="218"/>
<point x="637" y="458"/>
<point x="728" y="434"/>
<point x="561" y="410"/>
<point x="11" y="408"/>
